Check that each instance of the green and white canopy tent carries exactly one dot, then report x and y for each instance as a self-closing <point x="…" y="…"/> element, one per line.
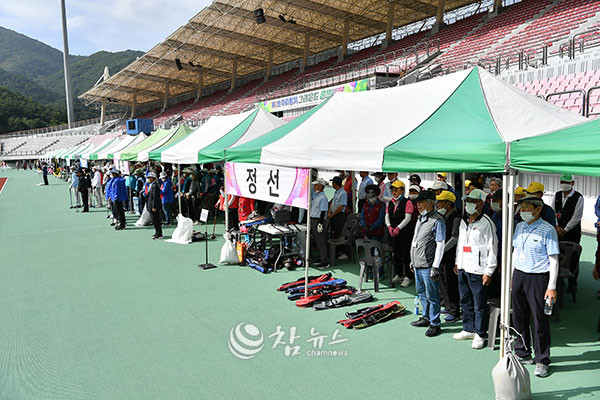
<point x="209" y="141"/>
<point x="98" y="147"/>
<point x="120" y="143"/>
<point x="458" y="123"/>
<point x="181" y="132"/>
<point x="573" y="150"/>
<point x="462" y="122"/>
<point x="141" y="143"/>
<point x="68" y="155"/>
<point x="128" y="142"/>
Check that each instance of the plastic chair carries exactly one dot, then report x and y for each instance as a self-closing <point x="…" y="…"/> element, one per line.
<point x="493" y="323"/>
<point x="370" y="260"/>
<point x="347" y="238"/>
<point x="565" y="270"/>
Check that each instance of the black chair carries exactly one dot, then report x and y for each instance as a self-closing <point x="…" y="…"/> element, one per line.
<point x="566" y="271"/>
<point x="346" y="238"/>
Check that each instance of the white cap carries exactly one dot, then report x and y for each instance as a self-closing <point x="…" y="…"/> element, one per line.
<point x="163" y="175"/>
<point x="439" y="185"/>
<point x="319" y="181"/>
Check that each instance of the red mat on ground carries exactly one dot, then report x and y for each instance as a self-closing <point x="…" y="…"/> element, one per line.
<point x="2" y="182"/>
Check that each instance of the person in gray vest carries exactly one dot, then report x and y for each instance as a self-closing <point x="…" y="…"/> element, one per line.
<point x="568" y="206"/>
<point x="426" y="252"/>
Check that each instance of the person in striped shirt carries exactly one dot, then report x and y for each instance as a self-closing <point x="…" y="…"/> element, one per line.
<point x="535" y="270"/>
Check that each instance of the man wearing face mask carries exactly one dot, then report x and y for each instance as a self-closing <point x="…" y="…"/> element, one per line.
<point x="537" y="189"/>
<point x="398" y="219"/>
<point x="426" y="252"/>
<point x="372" y="215"/>
<point x="392" y="177"/>
<point x="154" y="204"/>
<point x="318" y="211"/>
<point x="535" y="270"/>
<point x="496" y="206"/>
<point x="568" y="204"/>
<point x="476" y="260"/>
<point x="362" y="195"/>
<point x="448" y="280"/>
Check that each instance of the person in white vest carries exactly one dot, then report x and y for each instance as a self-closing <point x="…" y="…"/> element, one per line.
<point x="97" y="186"/>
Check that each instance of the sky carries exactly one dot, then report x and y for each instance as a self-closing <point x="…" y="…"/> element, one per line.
<point x="94" y="25"/>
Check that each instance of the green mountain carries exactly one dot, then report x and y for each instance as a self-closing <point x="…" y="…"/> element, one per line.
<point x="34" y="69"/>
<point x="18" y="112"/>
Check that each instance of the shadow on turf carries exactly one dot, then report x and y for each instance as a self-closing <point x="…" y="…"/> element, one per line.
<point x="568" y="394"/>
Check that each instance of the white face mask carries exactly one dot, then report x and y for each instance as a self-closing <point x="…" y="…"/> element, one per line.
<point x="495" y="207"/>
<point x="442" y="211"/>
<point x="470" y="208"/>
<point x="424" y="212"/>
<point x="412" y="196"/>
<point x="565" y="187"/>
<point x="527" y="216"/>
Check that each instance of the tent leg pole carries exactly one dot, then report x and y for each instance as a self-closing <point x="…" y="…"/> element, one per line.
<point x="504" y="267"/>
<point x="226" y="202"/>
<point x="354" y="196"/>
<point x="179" y="184"/>
<point x="307" y="251"/>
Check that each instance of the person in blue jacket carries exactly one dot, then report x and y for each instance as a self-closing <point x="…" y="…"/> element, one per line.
<point x="166" y="195"/>
<point x="108" y="197"/>
<point x="119" y="197"/>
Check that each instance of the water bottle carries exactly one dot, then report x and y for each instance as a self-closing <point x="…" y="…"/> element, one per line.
<point x="548" y="305"/>
<point x="417" y="302"/>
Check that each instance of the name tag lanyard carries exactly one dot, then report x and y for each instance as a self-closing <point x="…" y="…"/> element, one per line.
<point x="522" y="253"/>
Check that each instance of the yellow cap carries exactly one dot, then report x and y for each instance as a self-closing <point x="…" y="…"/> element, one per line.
<point x="398" y="184"/>
<point x="444" y="174"/>
<point x="446" y="195"/>
<point x="535" y="187"/>
<point x="519" y="191"/>
<point x="467" y="183"/>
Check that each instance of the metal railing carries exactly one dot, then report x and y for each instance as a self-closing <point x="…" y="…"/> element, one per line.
<point x="392" y="62"/>
<point x="583" y="98"/>
<point x="587" y="104"/>
<point x="579" y="43"/>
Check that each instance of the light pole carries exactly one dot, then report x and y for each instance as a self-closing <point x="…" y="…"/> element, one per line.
<point x="70" y="114"/>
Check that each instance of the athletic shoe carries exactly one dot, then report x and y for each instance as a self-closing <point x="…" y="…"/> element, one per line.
<point x="406" y="282"/>
<point x="433" y="331"/>
<point x="323" y="266"/>
<point x="421" y="323"/>
<point x="343" y="257"/>
<point x="541" y="370"/>
<point x="451" y="318"/>
<point x="464" y="335"/>
<point x="525" y="360"/>
<point x="157" y="237"/>
<point x="478" y="342"/>
<point x="119" y="228"/>
<point x="397" y="279"/>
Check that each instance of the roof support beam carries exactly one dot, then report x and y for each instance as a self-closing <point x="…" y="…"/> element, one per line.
<point x="439" y="18"/>
<point x="234" y="69"/>
<point x="390" y="25"/>
<point x="272" y="21"/>
<point x="417" y="6"/>
<point x="269" y="64"/>
<point x="171" y="64"/>
<point x="345" y="40"/>
<point x="200" y="83"/>
<point x="217" y="53"/>
<point x="329" y="11"/>
<point x="232" y="35"/>
<point x="306" y="52"/>
<point x="155" y="78"/>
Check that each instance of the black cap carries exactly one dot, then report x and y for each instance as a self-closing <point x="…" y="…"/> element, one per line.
<point x="337" y="180"/>
<point x="373" y="188"/>
<point x="415" y="177"/>
<point x="426" y="195"/>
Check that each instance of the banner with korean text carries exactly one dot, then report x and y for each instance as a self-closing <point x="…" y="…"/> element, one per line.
<point x="281" y="185"/>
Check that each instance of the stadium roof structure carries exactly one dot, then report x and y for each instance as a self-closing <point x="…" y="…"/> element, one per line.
<point x="224" y="41"/>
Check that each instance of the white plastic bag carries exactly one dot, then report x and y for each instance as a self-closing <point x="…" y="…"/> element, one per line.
<point x="229" y="251"/>
<point x="183" y="233"/>
<point x="145" y="218"/>
<point x="511" y="379"/>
